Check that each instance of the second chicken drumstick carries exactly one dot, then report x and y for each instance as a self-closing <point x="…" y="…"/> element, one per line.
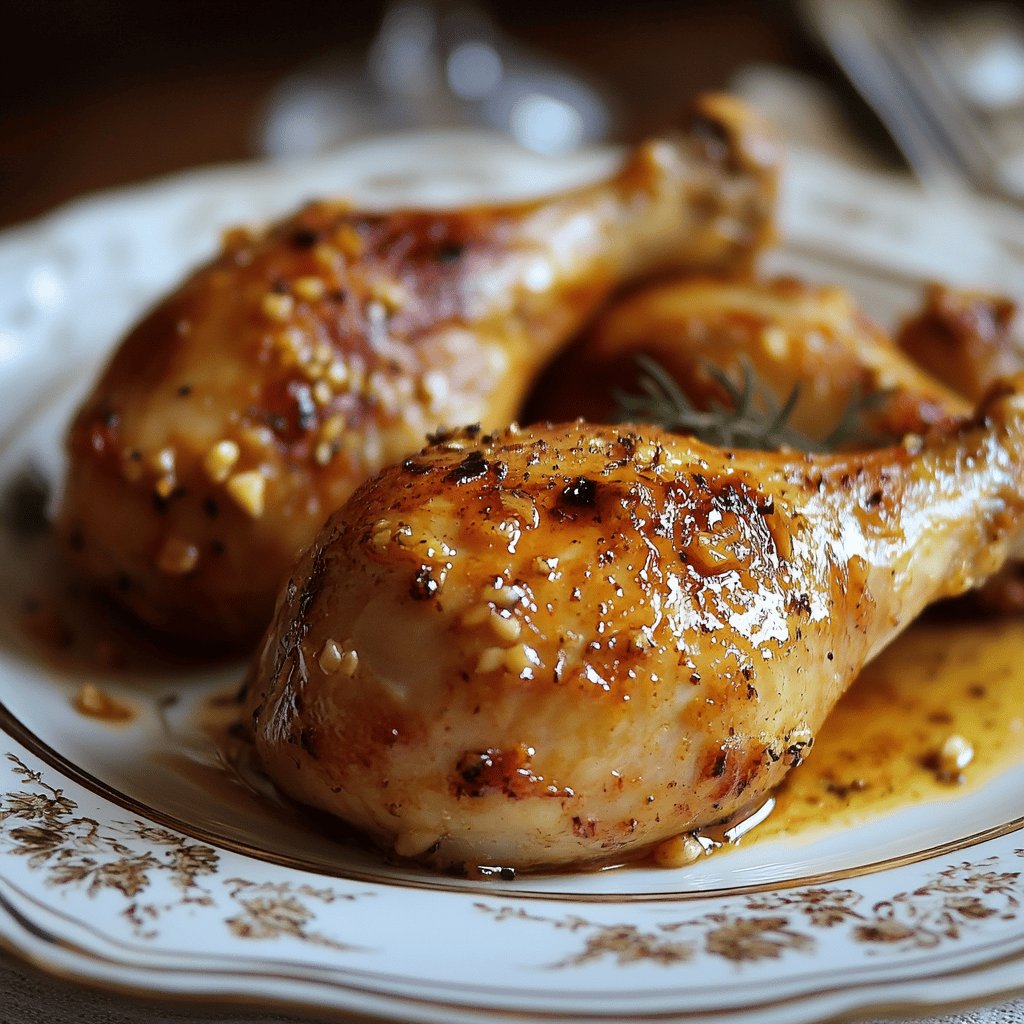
<point x="566" y="644"/>
<point x="251" y="402"/>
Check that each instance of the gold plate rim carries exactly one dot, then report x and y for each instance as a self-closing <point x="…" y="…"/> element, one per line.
<point x="14" y="728"/>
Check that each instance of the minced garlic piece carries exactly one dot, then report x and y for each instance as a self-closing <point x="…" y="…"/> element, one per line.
<point x="165" y="486"/>
<point x="776" y="341"/>
<point x="503" y="597"/>
<point x="329" y="657"/>
<point x="349" y="241"/>
<point x="476" y="615"/>
<point x="677" y="852"/>
<point x="322" y="392"/>
<point x="517" y="659"/>
<point x="312" y="289"/>
<point x="324" y="452"/>
<point x="220" y="460"/>
<point x="248" y="490"/>
<point x="337" y="374"/>
<point x="163" y="462"/>
<point x="291" y="342"/>
<point x="433" y="389"/>
<point x="390" y="294"/>
<point x="237" y="237"/>
<point x="381" y="537"/>
<point x="277" y="306"/>
<point x="326" y="256"/>
<point x="507" y="629"/>
<point x="257" y="436"/>
<point x="96" y="703"/>
<point x="954" y="756"/>
<point x="638" y="642"/>
<point x="332" y="428"/>
<point x="177" y="557"/>
<point x="490" y="660"/>
<point x="645" y="454"/>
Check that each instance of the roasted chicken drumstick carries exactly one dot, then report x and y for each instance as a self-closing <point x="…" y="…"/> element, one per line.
<point x="250" y="403"/>
<point x="789" y="334"/>
<point x="562" y="645"/>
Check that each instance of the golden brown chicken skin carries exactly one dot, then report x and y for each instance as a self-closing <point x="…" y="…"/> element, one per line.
<point x="969" y="339"/>
<point x="252" y="401"/>
<point x="789" y="333"/>
<point x="966" y="338"/>
<point x="561" y="645"/>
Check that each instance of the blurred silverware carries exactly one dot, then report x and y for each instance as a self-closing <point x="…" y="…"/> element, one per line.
<point x="950" y="91"/>
<point x="436" y="63"/>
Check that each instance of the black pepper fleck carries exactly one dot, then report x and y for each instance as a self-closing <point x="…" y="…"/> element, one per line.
<point x="580" y="492"/>
<point x="448" y="252"/>
<point x="424" y="585"/>
<point x="305" y="238"/>
<point x="472" y="467"/>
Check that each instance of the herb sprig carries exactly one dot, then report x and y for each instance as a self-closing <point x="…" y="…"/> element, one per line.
<point x="753" y="417"/>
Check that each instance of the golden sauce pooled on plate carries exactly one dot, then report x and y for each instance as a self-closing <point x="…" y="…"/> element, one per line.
<point x="940" y="710"/>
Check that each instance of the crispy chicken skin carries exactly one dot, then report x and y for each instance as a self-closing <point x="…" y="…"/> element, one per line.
<point x="561" y="645"/>
<point x="788" y="332"/>
<point x="251" y="402"/>
<point x="964" y="338"/>
<point x="969" y="339"/>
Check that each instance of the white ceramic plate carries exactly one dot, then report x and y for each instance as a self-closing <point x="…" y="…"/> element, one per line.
<point x="130" y="859"/>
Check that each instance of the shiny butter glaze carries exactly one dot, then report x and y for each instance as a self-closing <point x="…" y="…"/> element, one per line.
<point x="563" y="645"/>
<point x="251" y="402"/>
<point x="796" y="336"/>
<point x="968" y="339"/>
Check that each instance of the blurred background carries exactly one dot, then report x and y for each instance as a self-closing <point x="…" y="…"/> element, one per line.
<point x="99" y="93"/>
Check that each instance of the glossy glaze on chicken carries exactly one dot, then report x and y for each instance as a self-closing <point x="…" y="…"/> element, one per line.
<point x="966" y="338"/>
<point x="562" y="645"/>
<point x="814" y="338"/>
<point x="970" y="339"/>
<point x="251" y="402"/>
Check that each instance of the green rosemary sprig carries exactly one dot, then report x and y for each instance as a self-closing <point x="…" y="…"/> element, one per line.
<point x="753" y="417"/>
